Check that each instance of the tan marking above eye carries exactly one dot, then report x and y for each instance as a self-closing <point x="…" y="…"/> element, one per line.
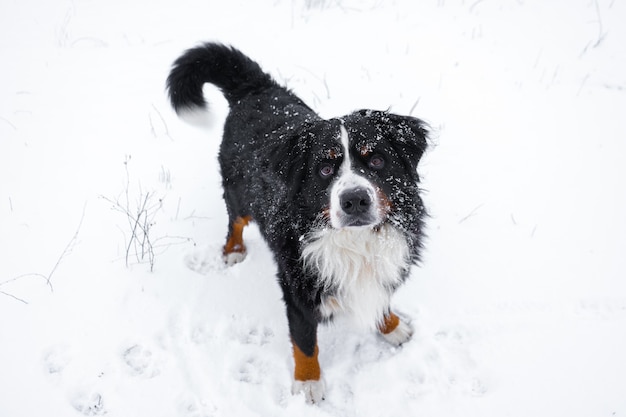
<point x="365" y="149"/>
<point x="333" y="154"/>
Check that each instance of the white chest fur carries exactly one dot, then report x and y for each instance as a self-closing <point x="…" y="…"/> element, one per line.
<point x="358" y="267"/>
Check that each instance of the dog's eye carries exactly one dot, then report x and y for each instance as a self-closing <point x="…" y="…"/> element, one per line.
<point x="326" y="170"/>
<point x="376" y="162"/>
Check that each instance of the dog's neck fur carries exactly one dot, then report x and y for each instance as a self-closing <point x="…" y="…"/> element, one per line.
<point x="357" y="268"/>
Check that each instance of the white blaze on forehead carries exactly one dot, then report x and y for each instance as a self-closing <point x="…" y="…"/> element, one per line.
<point x="347" y="179"/>
<point x="345" y="144"/>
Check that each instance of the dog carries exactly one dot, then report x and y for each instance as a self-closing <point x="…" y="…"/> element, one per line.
<point x="337" y="200"/>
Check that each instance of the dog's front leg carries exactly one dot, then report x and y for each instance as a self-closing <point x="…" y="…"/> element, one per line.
<point x="307" y="372"/>
<point x="394" y="330"/>
<point x="307" y="375"/>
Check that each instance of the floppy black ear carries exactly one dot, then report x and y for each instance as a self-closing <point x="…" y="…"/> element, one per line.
<point x="409" y="135"/>
<point x="286" y="156"/>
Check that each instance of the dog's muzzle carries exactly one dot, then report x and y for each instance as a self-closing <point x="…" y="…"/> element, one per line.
<point x="357" y="208"/>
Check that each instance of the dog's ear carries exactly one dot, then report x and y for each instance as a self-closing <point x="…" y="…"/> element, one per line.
<point x="409" y="135"/>
<point x="287" y="156"/>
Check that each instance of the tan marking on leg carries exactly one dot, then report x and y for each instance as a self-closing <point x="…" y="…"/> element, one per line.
<point x="307" y="368"/>
<point x="235" y="241"/>
<point x="389" y="324"/>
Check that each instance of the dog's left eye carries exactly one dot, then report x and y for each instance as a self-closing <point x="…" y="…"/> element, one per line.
<point x="376" y="162"/>
<point x="326" y="170"/>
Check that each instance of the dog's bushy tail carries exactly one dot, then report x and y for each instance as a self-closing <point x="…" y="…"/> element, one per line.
<point x="224" y="66"/>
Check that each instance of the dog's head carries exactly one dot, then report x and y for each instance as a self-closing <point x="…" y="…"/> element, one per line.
<point x="355" y="171"/>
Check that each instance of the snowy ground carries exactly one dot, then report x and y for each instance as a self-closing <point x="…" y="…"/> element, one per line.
<point x="519" y="307"/>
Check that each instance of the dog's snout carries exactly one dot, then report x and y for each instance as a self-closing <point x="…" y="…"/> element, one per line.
<point x="355" y="201"/>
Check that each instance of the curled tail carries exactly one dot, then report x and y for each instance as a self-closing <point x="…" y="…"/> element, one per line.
<point x="225" y="67"/>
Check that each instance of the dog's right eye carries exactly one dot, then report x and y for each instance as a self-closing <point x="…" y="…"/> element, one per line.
<point x="326" y="170"/>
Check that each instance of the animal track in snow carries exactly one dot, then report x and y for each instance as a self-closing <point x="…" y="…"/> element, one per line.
<point x="258" y="336"/>
<point x="202" y="334"/>
<point x="248" y="333"/>
<point x="88" y="403"/>
<point x="192" y="407"/>
<point x="600" y="309"/>
<point x="204" y="260"/>
<point x="252" y="371"/>
<point x="56" y="359"/>
<point x="141" y="361"/>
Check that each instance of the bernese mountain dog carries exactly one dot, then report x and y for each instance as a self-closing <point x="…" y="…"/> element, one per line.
<point x="337" y="200"/>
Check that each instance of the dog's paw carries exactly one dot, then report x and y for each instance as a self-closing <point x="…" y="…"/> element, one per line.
<point x="401" y="334"/>
<point x="313" y="390"/>
<point x="233" y="258"/>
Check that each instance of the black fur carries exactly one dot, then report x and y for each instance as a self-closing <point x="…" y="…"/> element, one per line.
<point x="271" y="151"/>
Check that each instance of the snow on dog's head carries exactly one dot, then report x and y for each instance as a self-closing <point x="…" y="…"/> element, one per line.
<point x="354" y="200"/>
<point x="370" y="206"/>
<point x="358" y="171"/>
<point x="377" y="177"/>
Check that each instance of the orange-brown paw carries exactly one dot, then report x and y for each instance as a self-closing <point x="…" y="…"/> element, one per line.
<point x="400" y="334"/>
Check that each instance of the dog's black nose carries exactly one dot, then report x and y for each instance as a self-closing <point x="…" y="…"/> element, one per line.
<point x="355" y="201"/>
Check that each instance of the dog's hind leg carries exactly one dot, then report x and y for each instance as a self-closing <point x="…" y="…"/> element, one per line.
<point x="394" y="330"/>
<point x="234" y="249"/>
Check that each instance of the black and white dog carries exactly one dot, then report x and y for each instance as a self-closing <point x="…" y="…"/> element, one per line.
<point x="336" y="200"/>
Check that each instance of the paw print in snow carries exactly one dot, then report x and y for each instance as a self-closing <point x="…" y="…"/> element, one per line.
<point x="141" y="361"/>
<point x="257" y="336"/>
<point x="204" y="260"/>
<point x="192" y="407"/>
<point x="89" y="403"/>
<point x="477" y="388"/>
<point x="253" y="371"/>
<point x="56" y="360"/>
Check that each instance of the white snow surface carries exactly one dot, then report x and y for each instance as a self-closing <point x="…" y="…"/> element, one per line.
<point x="519" y="306"/>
